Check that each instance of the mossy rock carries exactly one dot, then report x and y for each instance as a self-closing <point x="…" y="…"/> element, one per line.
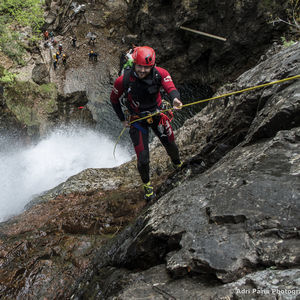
<point x="32" y="104"/>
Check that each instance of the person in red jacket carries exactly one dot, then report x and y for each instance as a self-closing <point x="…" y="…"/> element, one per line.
<point x="141" y="85"/>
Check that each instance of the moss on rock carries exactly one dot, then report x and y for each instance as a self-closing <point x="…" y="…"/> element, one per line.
<point x="32" y="104"/>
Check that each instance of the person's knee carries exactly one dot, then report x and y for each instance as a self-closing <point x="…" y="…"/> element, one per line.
<point x="143" y="159"/>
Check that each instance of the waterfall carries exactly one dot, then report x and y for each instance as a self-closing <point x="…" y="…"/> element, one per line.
<point x="27" y="171"/>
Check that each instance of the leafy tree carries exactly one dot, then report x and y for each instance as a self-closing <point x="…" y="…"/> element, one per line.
<point x="16" y="13"/>
<point x="23" y="12"/>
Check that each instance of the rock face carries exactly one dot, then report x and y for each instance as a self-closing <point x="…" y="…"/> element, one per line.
<point x="36" y="109"/>
<point x="226" y="226"/>
<point x="232" y="212"/>
<point x="245" y="25"/>
<point x="240" y="213"/>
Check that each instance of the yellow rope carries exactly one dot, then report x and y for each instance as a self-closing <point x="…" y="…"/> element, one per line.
<point x="208" y="99"/>
<point x="118" y="139"/>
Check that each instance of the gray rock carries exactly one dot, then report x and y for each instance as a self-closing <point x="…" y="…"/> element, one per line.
<point x="241" y="213"/>
<point x="155" y="283"/>
<point x="195" y="56"/>
<point x="235" y="214"/>
<point x="40" y="74"/>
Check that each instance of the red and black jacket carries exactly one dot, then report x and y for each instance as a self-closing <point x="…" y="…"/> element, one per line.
<point x="142" y="94"/>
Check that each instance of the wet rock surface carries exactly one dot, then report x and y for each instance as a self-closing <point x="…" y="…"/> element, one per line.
<point x="193" y="56"/>
<point x="227" y="221"/>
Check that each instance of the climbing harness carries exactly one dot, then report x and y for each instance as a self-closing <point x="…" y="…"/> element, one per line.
<point x="205" y="100"/>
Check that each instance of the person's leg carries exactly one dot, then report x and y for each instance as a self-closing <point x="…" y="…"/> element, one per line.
<point x="140" y="139"/>
<point x="163" y="130"/>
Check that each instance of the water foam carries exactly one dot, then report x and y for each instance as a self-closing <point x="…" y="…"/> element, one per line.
<point x="25" y="172"/>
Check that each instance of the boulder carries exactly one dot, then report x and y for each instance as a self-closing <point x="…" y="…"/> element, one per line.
<point x="40" y="74"/>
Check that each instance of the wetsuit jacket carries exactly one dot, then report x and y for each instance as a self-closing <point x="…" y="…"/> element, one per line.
<point x="143" y="94"/>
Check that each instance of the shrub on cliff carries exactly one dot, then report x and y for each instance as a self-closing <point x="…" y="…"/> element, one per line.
<point x="15" y="15"/>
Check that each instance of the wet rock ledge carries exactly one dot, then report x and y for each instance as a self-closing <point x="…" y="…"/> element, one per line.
<point x="226" y="226"/>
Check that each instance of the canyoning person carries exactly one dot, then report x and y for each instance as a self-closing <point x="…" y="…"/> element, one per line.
<point x="46" y="35"/>
<point x="57" y="55"/>
<point x="92" y="40"/>
<point x="91" y="55"/>
<point x="129" y="61"/>
<point x="95" y="56"/>
<point x="74" y="39"/>
<point x="126" y="60"/>
<point x="55" y="61"/>
<point x="140" y="86"/>
<point x="64" y="59"/>
<point x="51" y="34"/>
<point x="60" y="48"/>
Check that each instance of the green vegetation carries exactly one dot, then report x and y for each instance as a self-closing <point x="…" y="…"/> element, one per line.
<point x="23" y="12"/>
<point x="7" y="77"/>
<point x="16" y="14"/>
<point x="31" y="103"/>
<point x="287" y="43"/>
<point x="48" y="88"/>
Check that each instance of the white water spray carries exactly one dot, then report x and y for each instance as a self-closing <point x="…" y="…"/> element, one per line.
<point x="32" y="170"/>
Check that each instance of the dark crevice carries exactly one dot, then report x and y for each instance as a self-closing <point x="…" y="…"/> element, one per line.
<point x="284" y="120"/>
<point x="149" y="251"/>
<point x="227" y="219"/>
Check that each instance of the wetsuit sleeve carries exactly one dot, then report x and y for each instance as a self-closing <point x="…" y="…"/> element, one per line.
<point x="168" y="84"/>
<point x="115" y="95"/>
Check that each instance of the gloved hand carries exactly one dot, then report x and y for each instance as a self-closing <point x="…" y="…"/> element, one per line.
<point x="125" y="124"/>
<point x="177" y="104"/>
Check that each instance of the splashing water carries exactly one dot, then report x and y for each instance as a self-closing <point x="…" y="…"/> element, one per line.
<point x="29" y="171"/>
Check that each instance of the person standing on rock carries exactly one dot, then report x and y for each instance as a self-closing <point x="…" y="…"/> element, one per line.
<point x="95" y="56"/>
<point x="64" y="59"/>
<point x="51" y="34"/>
<point x="129" y="61"/>
<point x="60" y="48"/>
<point x="91" y="55"/>
<point x="140" y="86"/>
<point x="55" y="61"/>
<point x="74" y="39"/>
<point x="92" y="40"/>
<point x="46" y="35"/>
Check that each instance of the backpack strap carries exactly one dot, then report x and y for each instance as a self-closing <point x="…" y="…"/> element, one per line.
<point x="156" y="76"/>
<point x="126" y="81"/>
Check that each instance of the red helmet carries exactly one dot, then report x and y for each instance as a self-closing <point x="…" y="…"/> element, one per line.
<point x="144" y="56"/>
